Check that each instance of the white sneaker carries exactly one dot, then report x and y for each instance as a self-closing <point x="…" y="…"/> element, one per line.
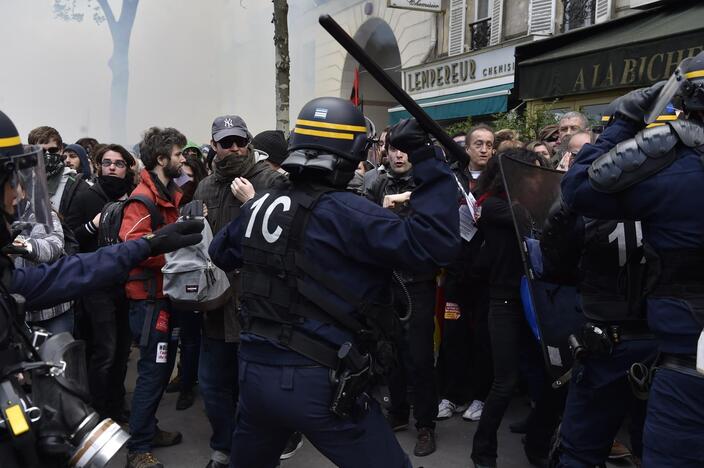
<point x="446" y="409"/>
<point x="474" y="412"/>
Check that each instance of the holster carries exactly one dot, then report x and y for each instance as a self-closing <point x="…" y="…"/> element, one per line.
<point x="352" y="379"/>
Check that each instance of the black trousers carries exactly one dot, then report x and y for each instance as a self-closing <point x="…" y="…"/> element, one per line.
<point x="464" y="361"/>
<point x="416" y="357"/>
<point x="107" y="333"/>
<point x="510" y="335"/>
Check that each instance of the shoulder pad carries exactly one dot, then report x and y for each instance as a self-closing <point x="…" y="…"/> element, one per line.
<point x="690" y="133"/>
<point x="634" y="160"/>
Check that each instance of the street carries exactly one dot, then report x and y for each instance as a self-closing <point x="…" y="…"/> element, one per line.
<point x="454" y="438"/>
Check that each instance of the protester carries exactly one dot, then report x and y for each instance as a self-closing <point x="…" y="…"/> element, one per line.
<point x="571" y="123"/>
<point x="414" y="293"/>
<point x="236" y="177"/>
<point x="77" y="159"/>
<point x="105" y="324"/>
<point x="540" y="147"/>
<point x="151" y="318"/>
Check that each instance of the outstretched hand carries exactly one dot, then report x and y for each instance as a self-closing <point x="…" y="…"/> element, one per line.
<point x="175" y="236"/>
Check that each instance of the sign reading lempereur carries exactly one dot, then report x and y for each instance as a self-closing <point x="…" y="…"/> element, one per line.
<point x="422" y="5"/>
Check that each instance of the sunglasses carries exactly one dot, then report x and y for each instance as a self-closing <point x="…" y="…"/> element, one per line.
<point x="228" y="141"/>
<point x="53" y="150"/>
<point x="119" y="163"/>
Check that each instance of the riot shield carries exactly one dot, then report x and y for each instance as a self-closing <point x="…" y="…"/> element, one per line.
<point x="551" y="309"/>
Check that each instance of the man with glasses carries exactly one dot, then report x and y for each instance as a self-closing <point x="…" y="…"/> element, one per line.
<point x="235" y="178"/>
<point x="105" y="323"/>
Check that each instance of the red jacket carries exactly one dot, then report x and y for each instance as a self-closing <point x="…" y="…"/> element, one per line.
<point x="136" y="222"/>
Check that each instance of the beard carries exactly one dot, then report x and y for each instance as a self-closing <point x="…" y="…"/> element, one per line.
<point x="172" y="171"/>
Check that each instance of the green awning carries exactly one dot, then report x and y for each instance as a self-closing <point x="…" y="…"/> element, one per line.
<point x="460" y="105"/>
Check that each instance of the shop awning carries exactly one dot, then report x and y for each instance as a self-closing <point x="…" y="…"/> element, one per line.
<point x="628" y="52"/>
<point x="460" y="105"/>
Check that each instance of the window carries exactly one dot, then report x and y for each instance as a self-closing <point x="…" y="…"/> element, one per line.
<point x="577" y="14"/>
<point x="481" y="9"/>
<point x="515" y="20"/>
<point x="480" y="30"/>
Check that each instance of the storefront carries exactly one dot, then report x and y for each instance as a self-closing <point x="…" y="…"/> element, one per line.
<point x="452" y="89"/>
<point x="586" y="69"/>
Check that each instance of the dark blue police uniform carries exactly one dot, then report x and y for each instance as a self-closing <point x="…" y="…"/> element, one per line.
<point x="669" y="204"/>
<point x="356" y="244"/>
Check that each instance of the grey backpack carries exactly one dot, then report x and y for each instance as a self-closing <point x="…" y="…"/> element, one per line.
<point x="191" y="280"/>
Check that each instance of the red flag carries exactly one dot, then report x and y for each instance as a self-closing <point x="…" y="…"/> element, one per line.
<point x="354" y="97"/>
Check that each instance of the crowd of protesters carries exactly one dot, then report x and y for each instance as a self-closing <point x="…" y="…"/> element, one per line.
<point x="482" y="356"/>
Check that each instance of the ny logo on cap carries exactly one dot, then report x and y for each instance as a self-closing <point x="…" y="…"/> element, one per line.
<point x="228" y="123"/>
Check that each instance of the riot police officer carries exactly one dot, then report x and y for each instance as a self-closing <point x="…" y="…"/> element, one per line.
<point x="606" y="256"/>
<point x="316" y="265"/>
<point x="54" y="422"/>
<point x="656" y="175"/>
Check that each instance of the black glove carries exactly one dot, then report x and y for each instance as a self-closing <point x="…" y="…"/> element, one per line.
<point x="637" y="103"/>
<point x="174" y="236"/>
<point x="408" y="136"/>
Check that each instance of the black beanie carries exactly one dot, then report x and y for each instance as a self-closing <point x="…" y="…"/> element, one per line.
<point x="272" y="142"/>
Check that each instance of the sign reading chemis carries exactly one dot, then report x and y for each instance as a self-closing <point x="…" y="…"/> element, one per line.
<point x="459" y="70"/>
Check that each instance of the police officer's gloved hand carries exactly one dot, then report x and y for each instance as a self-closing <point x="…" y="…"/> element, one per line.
<point x="637" y="103"/>
<point x="409" y="137"/>
<point x="174" y="236"/>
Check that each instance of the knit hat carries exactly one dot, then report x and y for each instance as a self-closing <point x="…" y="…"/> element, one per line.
<point x="272" y="142"/>
<point x="82" y="155"/>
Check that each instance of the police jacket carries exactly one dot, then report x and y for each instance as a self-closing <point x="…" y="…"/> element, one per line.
<point x="222" y="208"/>
<point x="136" y="222"/>
<point x="669" y="204"/>
<point x="357" y="244"/>
<point x="392" y="184"/>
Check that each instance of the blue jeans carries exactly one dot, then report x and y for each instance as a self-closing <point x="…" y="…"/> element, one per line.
<point x="59" y="324"/>
<point x="275" y="401"/>
<point x="217" y="380"/>
<point x="157" y="352"/>
<point x="191" y="324"/>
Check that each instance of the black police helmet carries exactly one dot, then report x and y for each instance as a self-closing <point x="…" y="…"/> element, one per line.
<point x="10" y="142"/>
<point x="693" y="87"/>
<point x="331" y="125"/>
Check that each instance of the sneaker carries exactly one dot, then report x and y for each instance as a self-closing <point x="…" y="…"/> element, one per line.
<point x="425" y="445"/>
<point x="446" y="409"/>
<point x="142" y="460"/>
<point x="185" y="400"/>
<point x="618" y="450"/>
<point x="397" y="423"/>
<point x="166" y="438"/>
<point x="294" y="443"/>
<point x="474" y="412"/>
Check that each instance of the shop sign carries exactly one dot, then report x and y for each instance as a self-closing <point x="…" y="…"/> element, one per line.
<point x="459" y="70"/>
<point x="622" y="67"/>
<point x="422" y="5"/>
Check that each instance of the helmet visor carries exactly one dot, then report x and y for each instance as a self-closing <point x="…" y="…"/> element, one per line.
<point x="30" y="195"/>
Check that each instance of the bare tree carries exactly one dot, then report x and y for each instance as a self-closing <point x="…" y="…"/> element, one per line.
<point x="120" y="30"/>
<point x="282" y="64"/>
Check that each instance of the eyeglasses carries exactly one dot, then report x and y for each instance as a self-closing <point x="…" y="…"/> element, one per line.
<point x="228" y="141"/>
<point x="119" y="163"/>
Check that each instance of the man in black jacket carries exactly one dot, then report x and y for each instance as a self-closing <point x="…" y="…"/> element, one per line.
<point x="235" y="178"/>
<point x="104" y="324"/>
<point x="414" y="292"/>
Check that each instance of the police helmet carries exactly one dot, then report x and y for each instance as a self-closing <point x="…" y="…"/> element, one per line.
<point x="329" y="140"/>
<point x="23" y="168"/>
<point x="685" y="88"/>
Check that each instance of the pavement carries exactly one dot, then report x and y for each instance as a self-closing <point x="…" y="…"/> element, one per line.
<point x="454" y="439"/>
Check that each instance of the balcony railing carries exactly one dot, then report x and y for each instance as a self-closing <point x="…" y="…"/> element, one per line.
<point x="577" y="13"/>
<point x="480" y="34"/>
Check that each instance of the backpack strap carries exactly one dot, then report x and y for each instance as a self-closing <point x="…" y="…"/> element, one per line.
<point x="157" y="219"/>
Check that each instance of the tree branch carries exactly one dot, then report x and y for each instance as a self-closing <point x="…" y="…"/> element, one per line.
<point x="107" y="11"/>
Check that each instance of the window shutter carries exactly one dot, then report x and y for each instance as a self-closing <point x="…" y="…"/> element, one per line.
<point x="496" y="21"/>
<point x="603" y="11"/>
<point x="458" y="12"/>
<point x="541" y="17"/>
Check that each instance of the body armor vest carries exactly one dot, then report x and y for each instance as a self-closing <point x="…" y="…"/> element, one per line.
<point x="613" y="271"/>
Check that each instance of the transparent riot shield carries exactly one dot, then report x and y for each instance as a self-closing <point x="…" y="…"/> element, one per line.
<point x="551" y="309"/>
